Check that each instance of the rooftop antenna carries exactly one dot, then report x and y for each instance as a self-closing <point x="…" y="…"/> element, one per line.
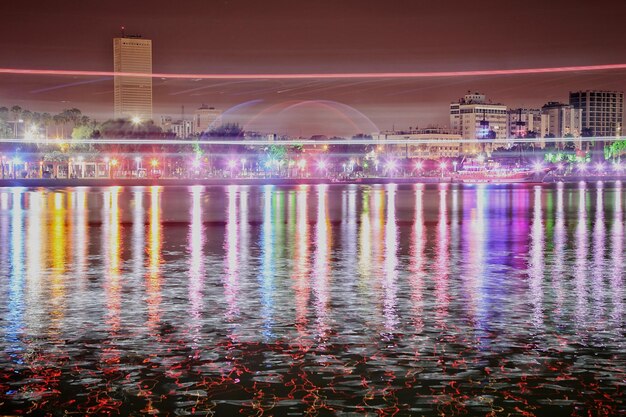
<point x="123" y="31"/>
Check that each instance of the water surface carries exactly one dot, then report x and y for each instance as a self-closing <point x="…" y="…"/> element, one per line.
<point x="326" y="300"/>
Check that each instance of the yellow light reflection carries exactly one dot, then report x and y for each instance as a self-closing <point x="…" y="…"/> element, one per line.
<point x="112" y="247"/>
<point x="58" y="237"/>
<point x="153" y="281"/>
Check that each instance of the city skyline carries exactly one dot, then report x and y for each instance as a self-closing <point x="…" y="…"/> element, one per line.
<point x="365" y="37"/>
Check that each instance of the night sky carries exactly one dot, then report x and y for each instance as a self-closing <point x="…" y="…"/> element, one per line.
<point x="315" y="36"/>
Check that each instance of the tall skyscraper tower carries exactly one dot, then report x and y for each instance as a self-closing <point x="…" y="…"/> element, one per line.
<point x="132" y="95"/>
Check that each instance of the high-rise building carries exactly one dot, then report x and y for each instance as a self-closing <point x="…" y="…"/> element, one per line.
<point x="205" y="118"/>
<point x="602" y="111"/>
<point x="132" y="95"/>
<point x="524" y="122"/>
<point x="563" y="120"/>
<point x="475" y="118"/>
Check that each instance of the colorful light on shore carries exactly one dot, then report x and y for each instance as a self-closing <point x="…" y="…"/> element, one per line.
<point x="232" y="164"/>
<point x="582" y="167"/>
<point x="600" y="167"/>
<point x="195" y="163"/>
<point x="154" y="162"/>
<point x="391" y="165"/>
<point x="443" y="165"/>
<point x="113" y="162"/>
<point x="419" y="165"/>
<point x="322" y="165"/>
<point x="618" y="167"/>
<point x="538" y="166"/>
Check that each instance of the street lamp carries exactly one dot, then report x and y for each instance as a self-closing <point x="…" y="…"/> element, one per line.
<point x="418" y="166"/>
<point x="443" y="167"/>
<point x="136" y="120"/>
<point x="113" y="164"/>
<point x="138" y="164"/>
<point x="82" y="166"/>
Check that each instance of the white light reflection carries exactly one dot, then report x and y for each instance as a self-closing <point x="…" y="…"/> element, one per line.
<point x="231" y="282"/>
<point x="417" y="263"/>
<point x="321" y="262"/>
<point x="580" y="265"/>
<point x="390" y="271"/>
<point x="365" y="242"/>
<point x="560" y="241"/>
<point x="4" y="201"/>
<point x="14" y="325"/>
<point x="476" y="237"/>
<point x="35" y="248"/>
<point x="267" y="264"/>
<point x="302" y="267"/>
<point x="441" y="260"/>
<point x="617" y="258"/>
<point x="196" y="262"/>
<point x="597" y="276"/>
<point x="536" y="267"/>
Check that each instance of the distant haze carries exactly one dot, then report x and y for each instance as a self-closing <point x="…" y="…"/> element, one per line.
<point x="321" y="36"/>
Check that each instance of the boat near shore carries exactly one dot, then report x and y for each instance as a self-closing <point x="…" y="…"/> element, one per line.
<point x="499" y="176"/>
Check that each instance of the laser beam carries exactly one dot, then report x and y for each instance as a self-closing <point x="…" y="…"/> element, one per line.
<point x="297" y="76"/>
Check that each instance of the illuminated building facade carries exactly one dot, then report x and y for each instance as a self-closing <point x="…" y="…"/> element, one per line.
<point x="430" y="150"/>
<point x="205" y="118"/>
<point x="473" y="117"/>
<point x="132" y="95"/>
<point x="563" y="120"/>
<point x="602" y="111"/>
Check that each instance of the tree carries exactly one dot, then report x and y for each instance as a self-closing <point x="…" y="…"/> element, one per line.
<point x="60" y="120"/>
<point x="82" y="132"/>
<point x="17" y="112"/>
<point x="46" y="119"/>
<point x="227" y="130"/>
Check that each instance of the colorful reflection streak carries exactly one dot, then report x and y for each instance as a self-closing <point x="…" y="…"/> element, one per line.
<point x="196" y="262"/>
<point x="321" y="300"/>
<point x="153" y="278"/>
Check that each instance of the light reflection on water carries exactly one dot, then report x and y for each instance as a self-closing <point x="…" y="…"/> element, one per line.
<point x="313" y="299"/>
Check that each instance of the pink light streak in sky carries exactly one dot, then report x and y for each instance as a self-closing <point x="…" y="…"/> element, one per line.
<point x="431" y="74"/>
